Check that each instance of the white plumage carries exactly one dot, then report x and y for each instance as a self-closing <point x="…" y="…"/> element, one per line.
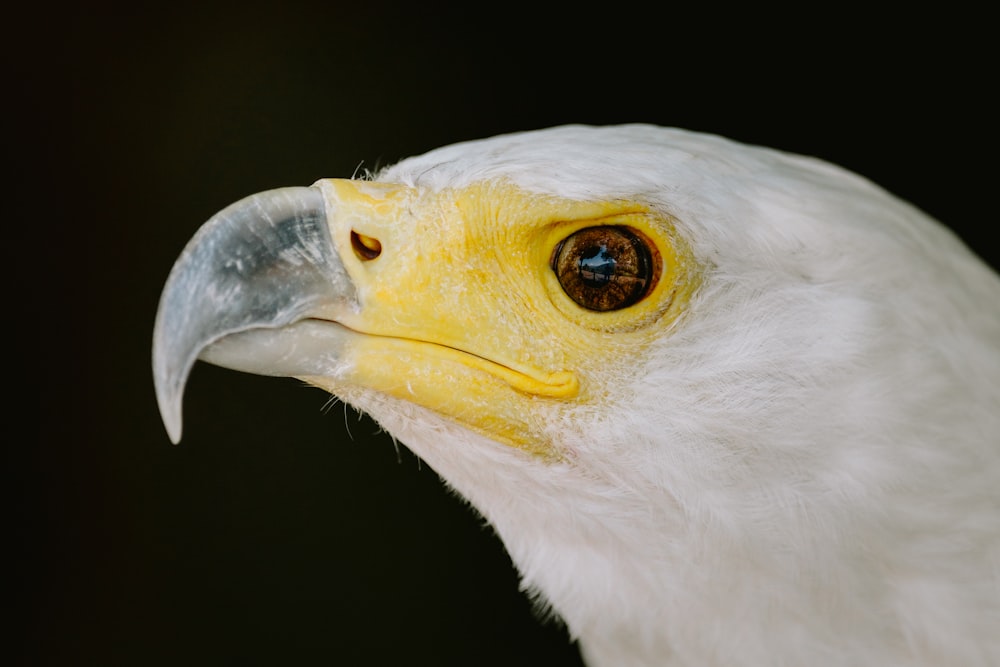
<point x="803" y="469"/>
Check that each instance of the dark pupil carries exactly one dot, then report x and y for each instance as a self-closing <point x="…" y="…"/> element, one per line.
<point x="604" y="268"/>
<point x="596" y="267"/>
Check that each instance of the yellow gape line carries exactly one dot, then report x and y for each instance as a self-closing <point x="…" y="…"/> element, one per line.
<point x="461" y="310"/>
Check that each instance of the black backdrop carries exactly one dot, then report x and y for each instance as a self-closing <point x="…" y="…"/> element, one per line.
<point x="284" y="530"/>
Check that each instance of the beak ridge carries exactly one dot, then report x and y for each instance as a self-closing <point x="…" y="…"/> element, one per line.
<point x="264" y="262"/>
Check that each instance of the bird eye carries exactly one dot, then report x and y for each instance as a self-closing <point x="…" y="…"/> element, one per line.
<point x="605" y="268"/>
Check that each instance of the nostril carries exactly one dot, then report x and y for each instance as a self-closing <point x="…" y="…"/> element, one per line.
<point x="365" y="247"/>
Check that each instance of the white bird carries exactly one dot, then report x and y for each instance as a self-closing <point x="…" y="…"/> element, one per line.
<point x="724" y="405"/>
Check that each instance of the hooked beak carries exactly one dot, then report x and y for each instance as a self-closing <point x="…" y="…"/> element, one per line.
<point x="255" y="268"/>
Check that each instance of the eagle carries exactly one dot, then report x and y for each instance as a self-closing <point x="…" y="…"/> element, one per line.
<point x="723" y="404"/>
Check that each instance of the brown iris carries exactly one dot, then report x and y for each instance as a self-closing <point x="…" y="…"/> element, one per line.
<point x="605" y="268"/>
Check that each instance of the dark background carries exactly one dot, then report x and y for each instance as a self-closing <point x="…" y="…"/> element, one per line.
<point x="284" y="530"/>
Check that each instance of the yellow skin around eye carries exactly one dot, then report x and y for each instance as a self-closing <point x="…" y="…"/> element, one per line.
<point x="461" y="312"/>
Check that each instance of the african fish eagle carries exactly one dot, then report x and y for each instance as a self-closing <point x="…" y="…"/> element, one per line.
<point x="724" y="405"/>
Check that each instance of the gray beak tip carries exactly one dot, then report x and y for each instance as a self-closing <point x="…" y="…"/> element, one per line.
<point x="173" y="422"/>
<point x="168" y="399"/>
<point x="174" y="433"/>
<point x="263" y="263"/>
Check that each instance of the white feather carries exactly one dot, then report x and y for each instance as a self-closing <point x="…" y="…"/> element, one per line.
<point x="805" y="471"/>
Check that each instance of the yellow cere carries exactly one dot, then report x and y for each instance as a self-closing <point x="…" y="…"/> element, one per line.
<point x="461" y="312"/>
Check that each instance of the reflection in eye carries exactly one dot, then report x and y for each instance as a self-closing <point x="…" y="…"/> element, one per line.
<point x="598" y="268"/>
<point x="605" y="268"/>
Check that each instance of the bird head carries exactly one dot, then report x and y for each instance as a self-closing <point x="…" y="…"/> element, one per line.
<point x="645" y="355"/>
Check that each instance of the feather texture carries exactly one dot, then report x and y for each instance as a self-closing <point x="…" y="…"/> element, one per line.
<point x="804" y="470"/>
